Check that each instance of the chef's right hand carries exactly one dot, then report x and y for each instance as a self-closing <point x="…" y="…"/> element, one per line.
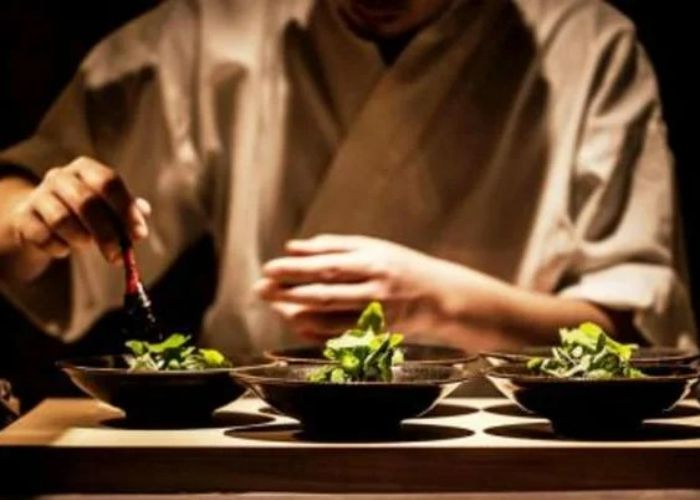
<point x="75" y="205"/>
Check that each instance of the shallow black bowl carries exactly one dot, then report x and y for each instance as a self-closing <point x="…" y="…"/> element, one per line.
<point x="595" y="408"/>
<point x="153" y="397"/>
<point x="644" y="356"/>
<point x="424" y="354"/>
<point x="356" y="408"/>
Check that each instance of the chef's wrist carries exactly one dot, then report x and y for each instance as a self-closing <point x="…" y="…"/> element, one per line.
<point x="532" y="317"/>
<point x="462" y="295"/>
<point x="470" y="301"/>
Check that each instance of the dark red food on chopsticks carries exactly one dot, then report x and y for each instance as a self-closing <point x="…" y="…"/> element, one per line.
<point x="139" y="320"/>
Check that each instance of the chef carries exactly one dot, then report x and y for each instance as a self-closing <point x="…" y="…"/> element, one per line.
<point x="490" y="170"/>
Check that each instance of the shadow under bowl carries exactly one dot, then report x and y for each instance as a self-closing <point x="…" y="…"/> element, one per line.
<point x="595" y="408"/>
<point x="153" y="397"/>
<point x="354" y="408"/>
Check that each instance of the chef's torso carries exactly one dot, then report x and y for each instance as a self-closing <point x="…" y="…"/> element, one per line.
<point x="503" y="138"/>
<point x="451" y="150"/>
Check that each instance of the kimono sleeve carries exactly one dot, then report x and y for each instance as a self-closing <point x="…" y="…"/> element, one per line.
<point x="628" y="252"/>
<point x="128" y="107"/>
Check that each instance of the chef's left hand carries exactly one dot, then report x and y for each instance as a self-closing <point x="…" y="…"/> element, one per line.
<point x="324" y="282"/>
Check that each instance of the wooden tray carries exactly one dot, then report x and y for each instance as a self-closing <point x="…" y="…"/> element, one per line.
<point x="79" y="445"/>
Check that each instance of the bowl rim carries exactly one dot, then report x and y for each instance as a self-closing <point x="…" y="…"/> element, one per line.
<point x="461" y="356"/>
<point x="679" y="355"/>
<point x="501" y="372"/>
<point x="76" y="365"/>
<point x="240" y="374"/>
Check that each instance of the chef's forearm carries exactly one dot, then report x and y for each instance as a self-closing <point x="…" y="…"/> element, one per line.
<point x="535" y="318"/>
<point x="508" y="315"/>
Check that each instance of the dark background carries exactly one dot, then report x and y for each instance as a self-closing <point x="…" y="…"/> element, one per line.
<point x="41" y="43"/>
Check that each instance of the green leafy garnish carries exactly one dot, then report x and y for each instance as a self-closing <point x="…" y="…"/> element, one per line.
<point x="362" y="354"/>
<point x="172" y="354"/>
<point x="587" y="352"/>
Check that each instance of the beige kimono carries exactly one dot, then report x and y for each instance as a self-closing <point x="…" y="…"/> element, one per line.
<point x="522" y="138"/>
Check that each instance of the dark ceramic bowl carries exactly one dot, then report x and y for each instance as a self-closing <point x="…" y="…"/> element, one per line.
<point x="355" y="408"/>
<point x="424" y="354"/>
<point x="153" y="397"/>
<point x="644" y="356"/>
<point x="595" y="408"/>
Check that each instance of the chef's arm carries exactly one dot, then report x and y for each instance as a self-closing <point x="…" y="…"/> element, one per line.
<point x="509" y="315"/>
<point x="323" y="283"/>
<point x="70" y="207"/>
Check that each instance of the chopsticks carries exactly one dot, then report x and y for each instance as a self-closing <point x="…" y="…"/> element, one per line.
<point x="140" y="322"/>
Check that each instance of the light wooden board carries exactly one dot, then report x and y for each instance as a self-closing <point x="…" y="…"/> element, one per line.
<point x="79" y="445"/>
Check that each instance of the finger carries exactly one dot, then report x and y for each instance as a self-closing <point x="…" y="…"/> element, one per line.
<point x="61" y="222"/>
<point x="55" y="247"/>
<point x="327" y="268"/>
<point x="93" y="213"/>
<point x="108" y="185"/>
<point x="144" y="207"/>
<point x="32" y="229"/>
<point x="325" y="243"/>
<point x="322" y="296"/>
<point x="269" y="289"/>
<point x="288" y="310"/>
<point x="321" y="326"/>
<point x="313" y="324"/>
<point x="141" y="230"/>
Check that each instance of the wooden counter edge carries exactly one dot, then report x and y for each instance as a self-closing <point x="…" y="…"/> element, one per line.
<point x="30" y="469"/>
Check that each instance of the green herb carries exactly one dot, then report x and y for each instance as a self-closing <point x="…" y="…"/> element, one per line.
<point x="364" y="353"/>
<point x="587" y="352"/>
<point x="173" y="353"/>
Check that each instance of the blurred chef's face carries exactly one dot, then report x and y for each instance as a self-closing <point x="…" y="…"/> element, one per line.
<point x="389" y="18"/>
